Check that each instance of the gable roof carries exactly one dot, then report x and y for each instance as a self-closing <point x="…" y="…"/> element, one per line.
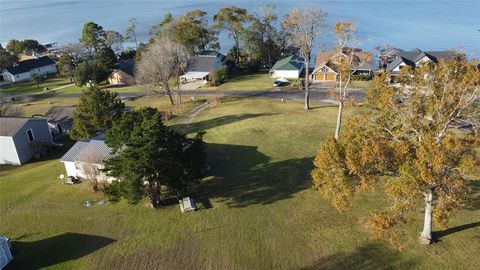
<point x="412" y="57"/>
<point x="361" y="59"/>
<point x="92" y="150"/>
<point x="9" y="126"/>
<point x="204" y="63"/>
<point x="127" y="66"/>
<point x="292" y="62"/>
<point x="60" y="113"/>
<point x="27" y="65"/>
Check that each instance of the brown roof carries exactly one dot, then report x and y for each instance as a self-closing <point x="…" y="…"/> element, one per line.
<point x="324" y="57"/>
<point x="10" y="125"/>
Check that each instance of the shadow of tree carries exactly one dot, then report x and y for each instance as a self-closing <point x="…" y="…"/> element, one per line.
<point x="214" y="122"/>
<point x="367" y="257"/>
<point x="474" y="196"/>
<point x="242" y="176"/>
<point x="55" y="250"/>
<point x="438" y="235"/>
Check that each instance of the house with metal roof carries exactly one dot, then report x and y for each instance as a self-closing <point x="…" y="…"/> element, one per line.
<point x="24" y="70"/>
<point x="123" y="74"/>
<point x="23" y="138"/>
<point x="85" y="159"/>
<point x="289" y="67"/>
<point x="202" y="66"/>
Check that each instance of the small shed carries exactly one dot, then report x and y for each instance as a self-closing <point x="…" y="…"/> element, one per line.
<point x="289" y="67"/>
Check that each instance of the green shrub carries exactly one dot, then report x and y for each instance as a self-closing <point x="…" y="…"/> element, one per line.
<point x="219" y="76"/>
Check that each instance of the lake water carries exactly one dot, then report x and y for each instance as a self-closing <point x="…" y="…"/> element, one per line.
<point x="428" y="25"/>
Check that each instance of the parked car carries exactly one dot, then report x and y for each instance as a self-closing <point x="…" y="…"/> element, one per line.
<point x="280" y="82"/>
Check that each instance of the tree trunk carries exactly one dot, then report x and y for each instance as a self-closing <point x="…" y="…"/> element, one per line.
<point x="168" y="93"/>
<point x="155" y="193"/>
<point x="307" y="86"/>
<point x="339" y="120"/>
<point x="426" y="235"/>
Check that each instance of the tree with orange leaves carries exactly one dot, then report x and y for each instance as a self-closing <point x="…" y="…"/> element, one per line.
<point x="419" y="139"/>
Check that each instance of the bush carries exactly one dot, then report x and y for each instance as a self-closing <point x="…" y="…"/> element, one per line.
<point x="219" y="76"/>
<point x="361" y="77"/>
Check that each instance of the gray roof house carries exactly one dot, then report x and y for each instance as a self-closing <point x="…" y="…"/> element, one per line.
<point x="60" y="119"/>
<point x="200" y="67"/>
<point x="85" y="159"/>
<point x="24" y="70"/>
<point x="23" y="138"/>
<point x="415" y="58"/>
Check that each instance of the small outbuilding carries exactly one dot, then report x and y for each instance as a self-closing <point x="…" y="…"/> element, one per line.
<point x="124" y="74"/>
<point x="85" y="159"/>
<point x="23" y="138"/>
<point x="289" y="67"/>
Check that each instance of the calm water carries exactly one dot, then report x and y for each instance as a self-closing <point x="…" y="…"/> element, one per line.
<point x="428" y="25"/>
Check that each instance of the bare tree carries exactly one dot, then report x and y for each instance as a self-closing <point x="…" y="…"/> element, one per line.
<point x="303" y="26"/>
<point x="130" y="31"/>
<point x="114" y="40"/>
<point x="345" y="33"/>
<point x="91" y="169"/>
<point x="75" y="50"/>
<point x="162" y="63"/>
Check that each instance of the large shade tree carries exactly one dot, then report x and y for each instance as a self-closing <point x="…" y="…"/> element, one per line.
<point x="408" y="139"/>
<point x="232" y="19"/>
<point x="148" y="156"/>
<point x="303" y="27"/>
<point x="7" y="58"/>
<point x="93" y="37"/>
<point x="95" y="112"/>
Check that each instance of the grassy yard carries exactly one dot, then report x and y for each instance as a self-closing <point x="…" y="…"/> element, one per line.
<point x="362" y="84"/>
<point x="257" y="210"/>
<point x="245" y="81"/>
<point x="31" y="87"/>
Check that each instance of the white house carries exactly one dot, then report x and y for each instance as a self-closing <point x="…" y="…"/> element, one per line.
<point x="23" y="70"/>
<point x="85" y="159"/>
<point x="414" y="59"/>
<point x="23" y="138"/>
<point x="201" y="67"/>
<point x="289" y="67"/>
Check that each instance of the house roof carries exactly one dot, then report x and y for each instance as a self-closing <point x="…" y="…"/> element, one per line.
<point x="9" y="126"/>
<point x="60" y="113"/>
<point x="127" y="66"/>
<point x="412" y="57"/>
<point x="92" y="150"/>
<point x="203" y="63"/>
<point x="292" y="62"/>
<point x="27" y="65"/>
<point x="362" y="60"/>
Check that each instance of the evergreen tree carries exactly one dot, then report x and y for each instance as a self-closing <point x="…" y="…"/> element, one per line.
<point x="95" y="112"/>
<point x="148" y="155"/>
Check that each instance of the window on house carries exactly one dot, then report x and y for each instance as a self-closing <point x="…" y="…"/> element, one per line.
<point x="30" y="135"/>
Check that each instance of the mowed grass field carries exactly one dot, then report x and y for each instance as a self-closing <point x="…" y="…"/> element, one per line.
<point x="256" y="209"/>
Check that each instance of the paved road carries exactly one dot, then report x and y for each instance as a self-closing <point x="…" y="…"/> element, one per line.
<point x="318" y="93"/>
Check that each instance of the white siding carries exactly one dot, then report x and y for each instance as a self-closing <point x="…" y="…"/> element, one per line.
<point x="70" y="168"/>
<point x="289" y="74"/>
<point x="77" y="170"/>
<point x="8" y="153"/>
<point x="402" y="64"/>
<point x="26" y="76"/>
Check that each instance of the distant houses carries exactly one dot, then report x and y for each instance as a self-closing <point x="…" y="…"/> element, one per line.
<point x="124" y="74"/>
<point x="290" y="67"/>
<point x="85" y="159"/>
<point x="23" y="138"/>
<point x="24" y="70"/>
<point x="326" y="64"/>
<point x="414" y="59"/>
<point x="202" y="66"/>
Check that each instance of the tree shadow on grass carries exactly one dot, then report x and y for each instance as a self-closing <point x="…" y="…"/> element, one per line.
<point x="367" y="257"/>
<point x="438" y="235"/>
<point x="242" y="176"/>
<point x="474" y="196"/>
<point x="55" y="250"/>
<point x="215" y="122"/>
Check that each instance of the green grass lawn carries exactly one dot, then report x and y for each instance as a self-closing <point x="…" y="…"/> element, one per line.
<point x="362" y="84"/>
<point x="31" y="87"/>
<point x="245" y="81"/>
<point x="257" y="209"/>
